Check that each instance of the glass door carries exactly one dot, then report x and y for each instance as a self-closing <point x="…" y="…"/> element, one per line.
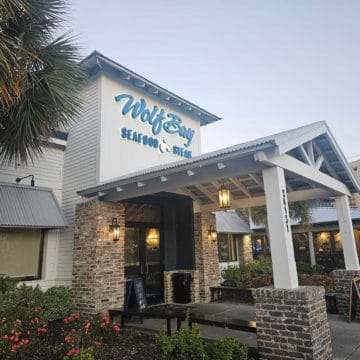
<point x="143" y="259"/>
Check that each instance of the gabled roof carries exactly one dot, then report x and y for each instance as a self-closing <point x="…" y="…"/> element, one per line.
<point x="97" y="62"/>
<point x="25" y="206"/>
<point x="199" y="176"/>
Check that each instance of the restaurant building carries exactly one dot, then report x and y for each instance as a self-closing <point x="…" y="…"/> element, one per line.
<point x="125" y="192"/>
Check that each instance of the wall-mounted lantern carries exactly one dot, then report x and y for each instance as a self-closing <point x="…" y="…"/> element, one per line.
<point x="114" y="229"/>
<point x="212" y="233"/>
<point x="32" y="182"/>
<point x="224" y="197"/>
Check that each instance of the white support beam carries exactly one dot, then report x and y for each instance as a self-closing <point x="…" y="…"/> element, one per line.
<point x="327" y="164"/>
<point x="240" y="186"/>
<point x="347" y="233"/>
<point x="310" y="151"/>
<point x="257" y="180"/>
<point x="311" y="248"/>
<point x="305" y="156"/>
<point x="207" y="193"/>
<point x="319" y="162"/>
<point x="294" y="196"/>
<point x="304" y="171"/>
<point x="187" y="192"/>
<point x="282" y="249"/>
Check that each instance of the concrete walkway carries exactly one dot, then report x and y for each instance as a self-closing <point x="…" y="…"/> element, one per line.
<point x="345" y="336"/>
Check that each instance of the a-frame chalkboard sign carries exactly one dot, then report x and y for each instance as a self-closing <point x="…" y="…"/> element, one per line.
<point x="135" y="289"/>
<point x="354" y="297"/>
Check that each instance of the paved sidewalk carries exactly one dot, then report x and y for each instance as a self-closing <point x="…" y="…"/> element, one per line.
<point x="345" y="336"/>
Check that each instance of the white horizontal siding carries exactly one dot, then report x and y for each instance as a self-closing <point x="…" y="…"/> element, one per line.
<point x="48" y="171"/>
<point x="80" y="171"/>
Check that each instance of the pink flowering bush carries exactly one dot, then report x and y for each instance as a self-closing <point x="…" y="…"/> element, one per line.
<point x="25" y="312"/>
<point x="87" y="332"/>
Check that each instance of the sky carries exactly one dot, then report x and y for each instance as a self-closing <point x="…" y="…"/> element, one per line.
<point x="263" y="66"/>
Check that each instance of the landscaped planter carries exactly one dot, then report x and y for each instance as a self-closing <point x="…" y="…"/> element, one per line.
<point x="234" y="294"/>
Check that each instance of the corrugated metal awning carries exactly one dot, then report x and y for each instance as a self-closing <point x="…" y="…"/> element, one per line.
<point x="230" y="222"/>
<point x="24" y="206"/>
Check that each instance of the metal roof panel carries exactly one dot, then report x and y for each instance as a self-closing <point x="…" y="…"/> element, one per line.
<point x="24" y="206"/>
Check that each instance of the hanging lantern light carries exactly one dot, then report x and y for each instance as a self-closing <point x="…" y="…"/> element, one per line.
<point x="114" y="229"/>
<point x="224" y="197"/>
<point x="212" y="233"/>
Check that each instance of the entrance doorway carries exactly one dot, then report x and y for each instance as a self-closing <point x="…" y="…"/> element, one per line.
<point x="143" y="258"/>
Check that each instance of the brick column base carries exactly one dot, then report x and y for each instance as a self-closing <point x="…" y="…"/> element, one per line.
<point x="292" y="324"/>
<point x="342" y="279"/>
<point x="169" y="288"/>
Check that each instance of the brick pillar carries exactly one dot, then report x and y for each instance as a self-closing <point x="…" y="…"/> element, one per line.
<point x="98" y="263"/>
<point x="206" y="255"/>
<point x="292" y="324"/>
<point x="245" y="249"/>
<point x="342" y="280"/>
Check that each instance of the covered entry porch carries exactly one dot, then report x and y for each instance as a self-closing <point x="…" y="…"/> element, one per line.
<point x="300" y="164"/>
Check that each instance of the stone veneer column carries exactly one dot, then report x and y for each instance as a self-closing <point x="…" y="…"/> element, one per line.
<point x="98" y="263"/>
<point x="245" y="254"/>
<point x="342" y="280"/>
<point x="292" y="324"/>
<point x="206" y="255"/>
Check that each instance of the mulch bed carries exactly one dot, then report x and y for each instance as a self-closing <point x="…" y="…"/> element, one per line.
<point x="133" y="345"/>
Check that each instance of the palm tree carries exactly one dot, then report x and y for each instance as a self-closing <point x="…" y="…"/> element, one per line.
<point x="40" y="77"/>
<point x="299" y="211"/>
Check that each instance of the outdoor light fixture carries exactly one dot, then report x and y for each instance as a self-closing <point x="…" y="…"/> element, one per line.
<point x="212" y="233"/>
<point x="224" y="197"/>
<point x="32" y="182"/>
<point x="114" y="229"/>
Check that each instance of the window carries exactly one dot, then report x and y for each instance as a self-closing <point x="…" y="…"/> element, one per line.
<point x="227" y="247"/>
<point x="21" y="253"/>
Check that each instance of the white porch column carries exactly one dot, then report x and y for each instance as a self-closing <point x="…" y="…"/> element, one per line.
<point x="282" y="248"/>
<point x="347" y="233"/>
<point x="311" y="248"/>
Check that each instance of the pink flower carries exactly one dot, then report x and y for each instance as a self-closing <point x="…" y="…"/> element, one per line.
<point x="70" y="352"/>
<point x="5" y="337"/>
<point x="102" y="324"/>
<point x="26" y="341"/>
<point x="87" y="325"/>
<point x="116" y="327"/>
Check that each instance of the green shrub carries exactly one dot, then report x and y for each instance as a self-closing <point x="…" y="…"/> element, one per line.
<point x="57" y="303"/>
<point x="84" y="332"/>
<point x="255" y="274"/>
<point x="184" y="344"/>
<point x="7" y="284"/>
<point x="306" y="268"/>
<point x="227" y="349"/>
<point x="84" y="354"/>
<point x="24" y="313"/>
<point x="318" y="280"/>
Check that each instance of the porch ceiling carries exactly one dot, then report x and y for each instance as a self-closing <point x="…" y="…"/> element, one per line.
<point x="313" y="163"/>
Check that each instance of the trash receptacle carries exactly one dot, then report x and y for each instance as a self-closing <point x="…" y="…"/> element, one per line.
<point x="182" y="287"/>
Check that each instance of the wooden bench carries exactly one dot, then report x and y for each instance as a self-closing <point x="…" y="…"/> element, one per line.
<point x="234" y="324"/>
<point x="178" y="312"/>
<point x="161" y="311"/>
